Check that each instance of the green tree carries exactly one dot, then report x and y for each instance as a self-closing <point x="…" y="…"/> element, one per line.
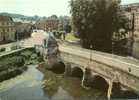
<point x="96" y="21"/>
<point x="67" y="28"/>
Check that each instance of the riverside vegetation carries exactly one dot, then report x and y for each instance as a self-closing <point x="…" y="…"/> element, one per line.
<point x="16" y="63"/>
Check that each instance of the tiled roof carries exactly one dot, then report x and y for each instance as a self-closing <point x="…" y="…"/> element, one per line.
<point x="5" y="18"/>
<point x="23" y="26"/>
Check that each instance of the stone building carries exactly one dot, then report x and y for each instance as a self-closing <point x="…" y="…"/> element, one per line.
<point x="23" y="30"/>
<point x="132" y="12"/>
<point x="63" y="21"/>
<point x="7" y="29"/>
<point x="48" y="23"/>
<point x="137" y="21"/>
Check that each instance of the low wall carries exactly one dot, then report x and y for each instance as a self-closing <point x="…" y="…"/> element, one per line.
<point x="13" y="53"/>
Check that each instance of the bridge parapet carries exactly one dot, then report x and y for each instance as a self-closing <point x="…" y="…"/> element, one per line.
<point x="108" y="59"/>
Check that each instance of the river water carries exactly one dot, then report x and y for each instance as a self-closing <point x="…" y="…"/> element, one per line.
<point x="37" y="85"/>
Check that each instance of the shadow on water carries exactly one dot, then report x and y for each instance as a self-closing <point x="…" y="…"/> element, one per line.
<point x="100" y="84"/>
<point x="60" y="87"/>
<point x="59" y="68"/>
<point x="122" y="94"/>
<point x="77" y="72"/>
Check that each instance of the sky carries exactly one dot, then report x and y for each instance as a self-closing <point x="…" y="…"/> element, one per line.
<point x="41" y="7"/>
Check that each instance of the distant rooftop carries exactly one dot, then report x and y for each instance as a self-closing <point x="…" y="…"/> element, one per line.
<point x="5" y="18"/>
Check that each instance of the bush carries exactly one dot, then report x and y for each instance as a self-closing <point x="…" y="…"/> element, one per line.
<point x="33" y="56"/>
<point x="26" y="54"/>
<point x="14" y="47"/>
<point x="2" y="68"/>
<point x="2" y="49"/>
<point x="17" y="61"/>
<point x="12" y="62"/>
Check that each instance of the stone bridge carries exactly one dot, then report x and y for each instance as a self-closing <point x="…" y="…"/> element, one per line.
<point x="115" y="70"/>
<point x="112" y="70"/>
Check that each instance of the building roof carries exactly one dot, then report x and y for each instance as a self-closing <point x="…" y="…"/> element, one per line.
<point x="49" y="19"/>
<point x="5" y="18"/>
<point x="20" y="27"/>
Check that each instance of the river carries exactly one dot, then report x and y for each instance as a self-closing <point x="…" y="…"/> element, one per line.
<point x="39" y="84"/>
<point x="36" y="85"/>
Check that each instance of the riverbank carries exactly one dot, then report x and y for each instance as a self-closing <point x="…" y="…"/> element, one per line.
<point x="15" y="63"/>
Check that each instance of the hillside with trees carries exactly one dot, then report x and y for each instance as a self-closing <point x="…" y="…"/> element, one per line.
<point x="21" y="17"/>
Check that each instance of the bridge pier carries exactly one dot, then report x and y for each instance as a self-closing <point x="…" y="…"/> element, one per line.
<point x="86" y="78"/>
<point x="109" y="92"/>
<point x="88" y="81"/>
<point x="67" y="69"/>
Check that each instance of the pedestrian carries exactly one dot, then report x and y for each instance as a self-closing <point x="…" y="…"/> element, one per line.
<point x="64" y="35"/>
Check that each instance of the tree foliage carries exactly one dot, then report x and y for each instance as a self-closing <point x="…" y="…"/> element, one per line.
<point x="67" y="28"/>
<point x="96" y="21"/>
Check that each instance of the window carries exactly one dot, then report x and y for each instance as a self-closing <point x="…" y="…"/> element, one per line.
<point x="5" y="30"/>
<point x="5" y="23"/>
<point x="9" y="29"/>
<point x="9" y="24"/>
<point x="0" y="36"/>
<point x="12" y="29"/>
<point x="2" y="23"/>
<point x="12" y="23"/>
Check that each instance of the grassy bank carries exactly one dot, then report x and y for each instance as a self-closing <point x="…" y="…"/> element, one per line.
<point x="71" y="38"/>
<point x="15" y="63"/>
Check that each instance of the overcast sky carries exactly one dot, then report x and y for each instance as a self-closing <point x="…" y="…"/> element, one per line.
<point x="40" y="7"/>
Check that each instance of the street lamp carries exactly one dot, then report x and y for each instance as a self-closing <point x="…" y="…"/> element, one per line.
<point x="91" y="47"/>
<point x="132" y="28"/>
<point x="18" y="42"/>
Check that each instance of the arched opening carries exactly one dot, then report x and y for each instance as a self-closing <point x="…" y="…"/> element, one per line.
<point x="129" y="95"/>
<point x="116" y="90"/>
<point x="100" y="83"/>
<point x="77" y="72"/>
<point x="117" y="93"/>
<point x="58" y="68"/>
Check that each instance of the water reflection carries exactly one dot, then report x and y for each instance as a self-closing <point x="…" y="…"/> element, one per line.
<point x="61" y="94"/>
<point x="68" y="88"/>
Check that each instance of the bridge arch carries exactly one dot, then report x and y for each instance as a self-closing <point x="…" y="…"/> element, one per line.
<point x="59" y="68"/>
<point x="117" y="92"/>
<point x="100" y="83"/>
<point x="77" y="72"/>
